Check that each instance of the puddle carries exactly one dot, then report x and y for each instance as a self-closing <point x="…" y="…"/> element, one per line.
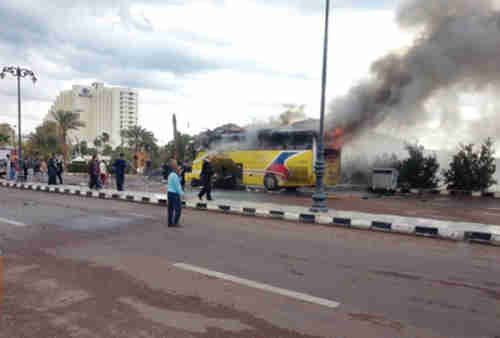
<point x="184" y="320"/>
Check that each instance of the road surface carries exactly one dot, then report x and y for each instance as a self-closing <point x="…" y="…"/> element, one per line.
<point x="82" y="267"/>
<point x="465" y="209"/>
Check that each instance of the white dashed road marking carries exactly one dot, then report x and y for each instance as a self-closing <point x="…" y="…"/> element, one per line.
<point x="292" y="294"/>
<point x="8" y="221"/>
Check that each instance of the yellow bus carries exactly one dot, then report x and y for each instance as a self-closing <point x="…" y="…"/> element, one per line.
<point x="276" y="159"/>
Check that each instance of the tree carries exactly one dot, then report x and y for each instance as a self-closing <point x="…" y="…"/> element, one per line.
<point x="108" y="150"/>
<point x="472" y="169"/>
<point x="44" y="141"/>
<point x="84" y="148"/>
<point x="418" y="171"/>
<point x="67" y="120"/>
<point x="97" y="143"/>
<point x="105" y="138"/>
<point x="139" y="139"/>
<point x="183" y="150"/>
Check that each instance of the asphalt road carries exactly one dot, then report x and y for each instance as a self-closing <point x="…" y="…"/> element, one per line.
<point x="465" y="209"/>
<point x="108" y="269"/>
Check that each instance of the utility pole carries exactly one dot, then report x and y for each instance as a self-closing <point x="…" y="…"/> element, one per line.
<point x="319" y="196"/>
<point x="176" y="137"/>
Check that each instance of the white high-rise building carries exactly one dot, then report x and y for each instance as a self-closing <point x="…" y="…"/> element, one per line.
<point x="102" y="109"/>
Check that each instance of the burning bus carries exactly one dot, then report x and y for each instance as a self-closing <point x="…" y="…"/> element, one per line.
<point x="274" y="158"/>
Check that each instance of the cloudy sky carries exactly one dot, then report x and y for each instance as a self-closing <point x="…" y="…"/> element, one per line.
<point x="209" y="61"/>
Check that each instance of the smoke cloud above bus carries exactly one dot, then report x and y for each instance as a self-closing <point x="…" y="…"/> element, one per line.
<point x="457" y="49"/>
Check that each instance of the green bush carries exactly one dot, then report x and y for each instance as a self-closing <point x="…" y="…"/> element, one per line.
<point x="472" y="169"/>
<point x="418" y="171"/>
<point x="78" y="167"/>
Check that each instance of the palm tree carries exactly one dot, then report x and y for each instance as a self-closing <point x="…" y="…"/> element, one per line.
<point x="66" y="121"/>
<point x="105" y="138"/>
<point x="97" y="143"/>
<point x="138" y="138"/>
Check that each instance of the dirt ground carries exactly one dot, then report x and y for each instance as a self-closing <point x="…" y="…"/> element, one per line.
<point x="44" y="296"/>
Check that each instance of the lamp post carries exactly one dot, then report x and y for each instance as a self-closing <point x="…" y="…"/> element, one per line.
<point x="19" y="73"/>
<point x="319" y="196"/>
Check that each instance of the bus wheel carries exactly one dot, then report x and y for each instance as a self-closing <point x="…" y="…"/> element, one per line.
<point x="291" y="189"/>
<point x="270" y="182"/>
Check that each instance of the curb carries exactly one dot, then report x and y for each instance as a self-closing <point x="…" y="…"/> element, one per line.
<point x="307" y="218"/>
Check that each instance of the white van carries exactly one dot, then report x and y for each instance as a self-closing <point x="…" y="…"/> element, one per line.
<point x="385" y="179"/>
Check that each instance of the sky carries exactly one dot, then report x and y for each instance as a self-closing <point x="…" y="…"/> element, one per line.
<point x="209" y="61"/>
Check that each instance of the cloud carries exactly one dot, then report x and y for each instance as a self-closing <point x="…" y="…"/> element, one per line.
<point x="234" y="60"/>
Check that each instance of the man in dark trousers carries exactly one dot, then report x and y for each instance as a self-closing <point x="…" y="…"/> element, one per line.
<point x="94" y="173"/>
<point x="119" y="168"/>
<point x="175" y="195"/>
<point x="60" y="170"/>
<point x="206" y="179"/>
<point x="52" y="170"/>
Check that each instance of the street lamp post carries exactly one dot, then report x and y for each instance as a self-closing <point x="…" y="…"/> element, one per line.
<point x="319" y="196"/>
<point x="19" y="73"/>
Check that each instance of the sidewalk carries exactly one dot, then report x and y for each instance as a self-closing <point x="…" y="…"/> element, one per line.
<point x="483" y="233"/>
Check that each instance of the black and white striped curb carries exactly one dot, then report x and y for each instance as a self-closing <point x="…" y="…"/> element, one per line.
<point x="431" y="231"/>
<point x="491" y="194"/>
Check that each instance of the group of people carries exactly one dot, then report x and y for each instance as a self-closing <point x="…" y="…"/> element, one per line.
<point x="36" y="169"/>
<point x="98" y="172"/>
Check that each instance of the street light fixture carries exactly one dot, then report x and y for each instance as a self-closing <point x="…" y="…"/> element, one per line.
<point x="19" y="73"/>
<point x="319" y="196"/>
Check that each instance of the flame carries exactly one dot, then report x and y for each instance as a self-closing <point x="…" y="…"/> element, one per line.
<point x="335" y="138"/>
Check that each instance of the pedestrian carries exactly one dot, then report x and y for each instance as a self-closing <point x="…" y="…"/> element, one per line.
<point x="9" y="168"/>
<point x="174" y="195"/>
<point x="36" y="169"/>
<point x="52" y="170"/>
<point x="60" y="169"/>
<point x="44" y="169"/>
<point x="104" y="172"/>
<point x="206" y="179"/>
<point x="26" y="167"/>
<point x="94" y="173"/>
<point x="119" y="168"/>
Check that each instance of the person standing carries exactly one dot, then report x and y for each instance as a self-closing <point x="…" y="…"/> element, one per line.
<point x="36" y="169"/>
<point x="94" y="173"/>
<point x="60" y="170"/>
<point x="119" y="168"/>
<point x="9" y="168"/>
<point x="44" y="169"/>
<point x="206" y="179"/>
<point x="174" y="195"/>
<point x="104" y="172"/>
<point x="26" y="167"/>
<point x="52" y="170"/>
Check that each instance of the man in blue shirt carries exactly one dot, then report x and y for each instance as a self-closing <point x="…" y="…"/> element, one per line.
<point x="175" y="193"/>
<point x="119" y="167"/>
